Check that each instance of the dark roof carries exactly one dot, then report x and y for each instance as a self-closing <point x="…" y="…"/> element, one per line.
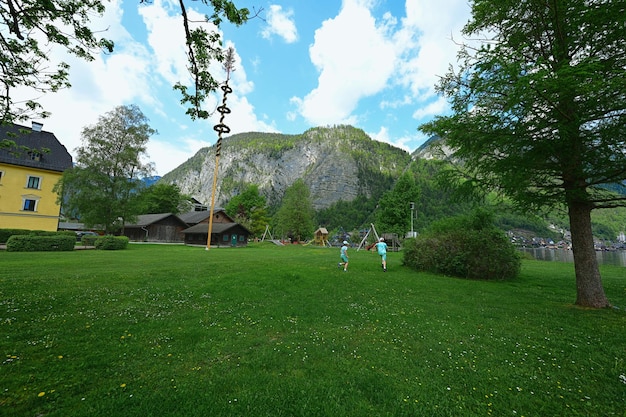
<point x="57" y="159"/>
<point x="217" y="228"/>
<point x="71" y="226"/>
<point x="195" y="217"/>
<point x="77" y="226"/>
<point x="148" y="219"/>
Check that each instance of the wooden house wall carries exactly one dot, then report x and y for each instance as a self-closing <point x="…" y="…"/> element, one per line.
<point x="165" y="233"/>
<point x="167" y="230"/>
<point x="219" y="239"/>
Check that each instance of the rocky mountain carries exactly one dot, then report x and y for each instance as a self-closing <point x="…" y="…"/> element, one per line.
<point x="337" y="163"/>
<point x="433" y="148"/>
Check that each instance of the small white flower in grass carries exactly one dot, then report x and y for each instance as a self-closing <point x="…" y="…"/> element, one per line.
<point x="622" y="378"/>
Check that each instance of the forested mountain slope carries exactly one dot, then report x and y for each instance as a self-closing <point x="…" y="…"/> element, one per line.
<point x="346" y="171"/>
<point x="336" y="163"/>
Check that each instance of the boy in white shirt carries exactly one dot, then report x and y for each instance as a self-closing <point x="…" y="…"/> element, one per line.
<point x="344" y="257"/>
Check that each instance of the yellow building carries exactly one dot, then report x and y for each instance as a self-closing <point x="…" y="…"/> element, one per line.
<point x="27" y="178"/>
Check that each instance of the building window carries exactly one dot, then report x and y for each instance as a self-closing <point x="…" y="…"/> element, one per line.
<point x="225" y="237"/>
<point x="33" y="182"/>
<point x="30" y="205"/>
<point x="30" y="202"/>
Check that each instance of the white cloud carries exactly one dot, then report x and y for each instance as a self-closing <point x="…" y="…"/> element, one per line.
<point x="169" y="54"/>
<point x="354" y="59"/>
<point x="140" y="74"/>
<point x="280" y="22"/>
<point x="439" y="106"/>
<point x="397" y="102"/>
<point x="168" y="154"/>
<point x="243" y="117"/>
<point x="383" y="136"/>
<point x="357" y="57"/>
<point x="100" y="85"/>
<point x="166" y="37"/>
<point x="426" y="43"/>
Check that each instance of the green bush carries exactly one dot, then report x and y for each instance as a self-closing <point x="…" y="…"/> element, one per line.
<point x="35" y="243"/>
<point x="88" y="240"/>
<point x="111" y="242"/>
<point x="5" y="234"/>
<point x="466" y="247"/>
<point x="51" y="233"/>
<point x="66" y="233"/>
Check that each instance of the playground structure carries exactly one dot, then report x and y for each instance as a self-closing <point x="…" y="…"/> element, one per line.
<point x="393" y="243"/>
<point x="271" y="238"/>
<point x="321" y="237"/>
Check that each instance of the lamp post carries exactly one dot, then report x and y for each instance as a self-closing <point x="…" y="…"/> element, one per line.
<point x="412" y="208"/>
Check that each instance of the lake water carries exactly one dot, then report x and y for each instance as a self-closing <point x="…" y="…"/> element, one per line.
<point x="617" y="258"/>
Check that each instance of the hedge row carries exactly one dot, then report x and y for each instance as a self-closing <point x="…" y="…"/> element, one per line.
<point x="34" y="243"/>
<point x="20" y="240"/>
<point x="5" y="234"/>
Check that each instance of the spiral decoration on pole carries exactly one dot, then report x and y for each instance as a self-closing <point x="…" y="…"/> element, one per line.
<point x="221" y="128"/>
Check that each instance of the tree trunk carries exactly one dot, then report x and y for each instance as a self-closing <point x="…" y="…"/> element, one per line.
<point x="589" y="289"/>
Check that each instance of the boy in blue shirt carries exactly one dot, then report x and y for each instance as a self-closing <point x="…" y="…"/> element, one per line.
<point x="381" y="247"/>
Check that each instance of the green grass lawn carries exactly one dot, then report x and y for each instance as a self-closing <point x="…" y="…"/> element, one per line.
<point x="280" y="331"/>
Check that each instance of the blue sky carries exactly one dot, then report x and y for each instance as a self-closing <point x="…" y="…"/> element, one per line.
<point x="372" y="64"/>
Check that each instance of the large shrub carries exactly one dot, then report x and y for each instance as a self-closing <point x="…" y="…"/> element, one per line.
<point x="111" y="242"/>
<point x="66" y="233"/>
<point x="88" y="240"/>
<point x="467" y="246"/>
<point x="5" y="234"/>
<point x="36" y="243"/>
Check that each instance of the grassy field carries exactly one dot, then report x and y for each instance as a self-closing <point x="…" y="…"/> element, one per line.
<point x="281" y="331"/>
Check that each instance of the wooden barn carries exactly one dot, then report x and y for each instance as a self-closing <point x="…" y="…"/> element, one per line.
<point x="222" y="235"/>
<point x="225" y="231"/>
<point x="190" y="228"/>
<point x="202" y="216"/>
<point x="163" y="227"/>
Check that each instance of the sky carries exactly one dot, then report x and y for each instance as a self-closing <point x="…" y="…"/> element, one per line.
<point x="372" y="64"/>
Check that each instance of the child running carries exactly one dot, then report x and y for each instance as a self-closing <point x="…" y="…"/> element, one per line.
<point x="381" y="247"/>
<point x="344" y="257"/>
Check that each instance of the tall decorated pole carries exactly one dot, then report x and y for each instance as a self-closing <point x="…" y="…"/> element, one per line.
<point x="220" y="128"/>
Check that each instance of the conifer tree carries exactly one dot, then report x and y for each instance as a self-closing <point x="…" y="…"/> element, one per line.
<point x="539" y="113"/>
<point x="295" y="215"/>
